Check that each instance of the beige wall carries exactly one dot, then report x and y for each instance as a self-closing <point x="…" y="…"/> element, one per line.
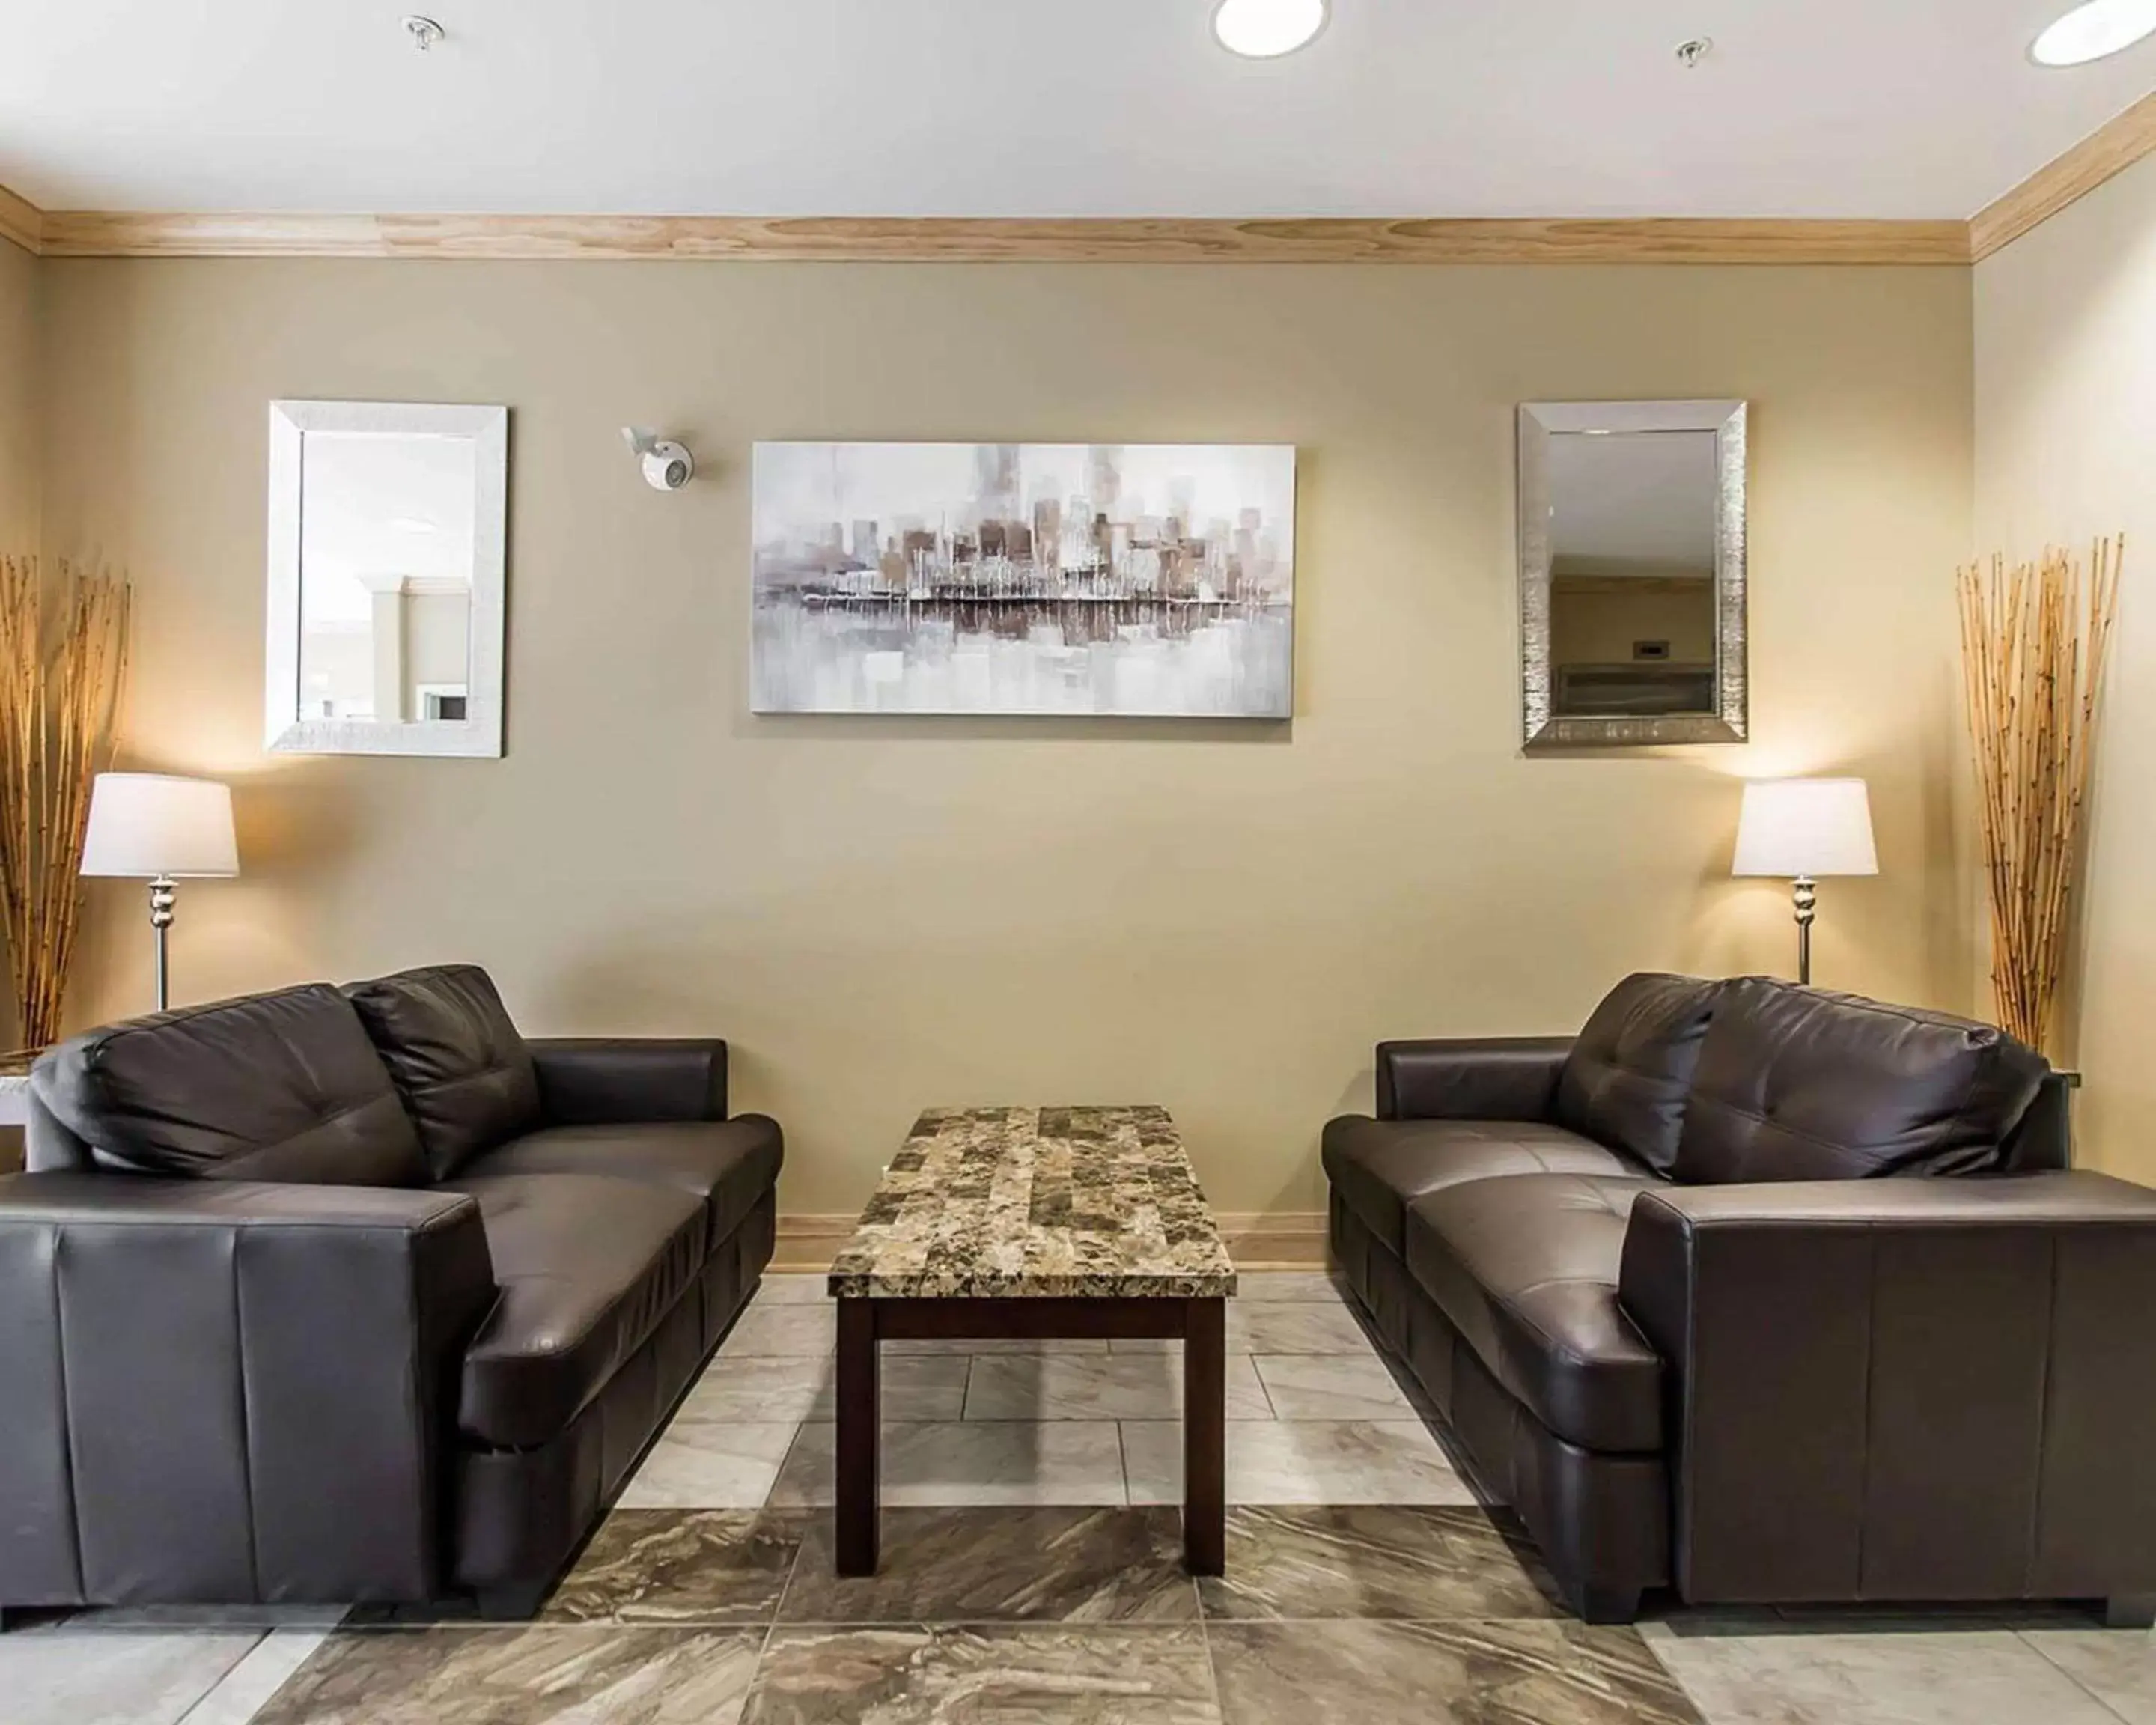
<point x="19" y="398"/>
<point x="2066" y="422"/>
<point x="21" y="358"/>
<point x="886" y="914"/>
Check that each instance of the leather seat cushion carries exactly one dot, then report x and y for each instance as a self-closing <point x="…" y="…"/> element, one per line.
<point x="282" y="1087"/>
<point x="1625" y="1080"/>
<point x="1798" y="1084"/>
<point x="726" y="1164"/>
<point x="1380" y="1167"/>
<point x="587" y="1267"/>
<point x="465" y="1075"/>
<point x="1526" y="1268"/>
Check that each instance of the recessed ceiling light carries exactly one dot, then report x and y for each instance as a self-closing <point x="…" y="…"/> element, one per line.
<point x="2091" y="31"/>
<point x="1264" y="29"/>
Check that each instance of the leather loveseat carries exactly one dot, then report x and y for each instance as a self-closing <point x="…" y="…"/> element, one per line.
<point x="325" y="1296"/>
<point x="1770" y="1296"/>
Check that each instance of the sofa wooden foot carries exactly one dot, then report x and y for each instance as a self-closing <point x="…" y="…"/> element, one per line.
<point x="513" y="1604"/>
<point x="1602" y="1605"/>
<point x="2130" y="1611"/>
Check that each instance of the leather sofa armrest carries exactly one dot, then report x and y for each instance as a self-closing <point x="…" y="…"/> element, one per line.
<point x="1470" y="1078"/>
<point x="620" y="1081"/>
<point x="221" y="1390"/>
<point x="1905" y="1388"/>
<point x="2044" y="1136"/>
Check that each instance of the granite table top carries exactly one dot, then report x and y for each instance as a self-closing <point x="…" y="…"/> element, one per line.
<point x="1085" y="1203"/>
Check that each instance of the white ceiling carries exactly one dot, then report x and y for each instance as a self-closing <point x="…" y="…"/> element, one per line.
<point x="1633" y="503"/>
<point x="1889" y="108"/>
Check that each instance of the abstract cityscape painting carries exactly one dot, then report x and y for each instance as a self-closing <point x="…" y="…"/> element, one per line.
<point x="1133" y="580"/>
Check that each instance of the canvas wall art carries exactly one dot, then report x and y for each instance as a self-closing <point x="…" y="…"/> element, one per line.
<point x="1133" y="580"/>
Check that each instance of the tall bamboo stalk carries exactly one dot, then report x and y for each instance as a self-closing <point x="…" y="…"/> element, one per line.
<point x="62" y="661"/>
<point x="2033" y="652"/>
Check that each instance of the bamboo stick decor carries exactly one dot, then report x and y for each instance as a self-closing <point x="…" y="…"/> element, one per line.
<point x="2033" y="650"/>
<point x="63" y="659"/>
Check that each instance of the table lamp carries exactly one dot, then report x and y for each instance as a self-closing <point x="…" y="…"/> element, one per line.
<point x="155" y="827"/>
<point x="1802" y="828"/>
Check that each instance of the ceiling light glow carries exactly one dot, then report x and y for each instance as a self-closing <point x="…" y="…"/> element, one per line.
<point x="1264" y="29"/>
<point x="2091" y="31"/>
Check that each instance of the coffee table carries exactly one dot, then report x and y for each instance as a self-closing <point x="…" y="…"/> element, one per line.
<point x="1028" y="1223"/>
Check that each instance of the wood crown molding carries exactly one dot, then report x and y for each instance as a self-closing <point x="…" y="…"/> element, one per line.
<point x="80" y="233"/>
<point x="2111" y="148"/>
<point x="2114" y="146"/>
<point x="1268" y="1239"/>
<point x="21" y="222"/>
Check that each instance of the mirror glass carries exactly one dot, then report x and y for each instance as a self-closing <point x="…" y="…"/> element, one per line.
<point x="1632" y="571"/>
<point x="385" y="576"/>
<point x="387" y="529"/>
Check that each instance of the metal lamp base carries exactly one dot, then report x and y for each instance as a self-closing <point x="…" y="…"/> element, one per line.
<point x="1806" y="896"/>
<point x="162" y="893"/>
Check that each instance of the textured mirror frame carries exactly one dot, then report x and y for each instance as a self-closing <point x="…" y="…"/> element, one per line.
<point x="1543" y="728"/>
<point x="286" y="730"/>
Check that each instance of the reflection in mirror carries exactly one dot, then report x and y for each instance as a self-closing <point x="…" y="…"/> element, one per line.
<point x="385" y="576"/>
<point x="386" y="566"/>
<point x="1632" y="571"/>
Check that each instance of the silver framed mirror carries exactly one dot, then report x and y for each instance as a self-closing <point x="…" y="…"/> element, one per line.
<point x="1632" y="573"/>
<point x="388" y="528"/>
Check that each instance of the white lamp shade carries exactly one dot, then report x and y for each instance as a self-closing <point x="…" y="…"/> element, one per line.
<point x="146" y="824"/>
<point x="1805" y="826"/>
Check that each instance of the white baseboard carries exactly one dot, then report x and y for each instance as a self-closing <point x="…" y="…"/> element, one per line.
<point x="1257" y="1239"/>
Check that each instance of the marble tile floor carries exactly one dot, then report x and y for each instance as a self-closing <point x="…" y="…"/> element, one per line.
<point x="1032" y="1573"/>
<point x="1315" y="1416"/>
<point x="1379" y="1614"/>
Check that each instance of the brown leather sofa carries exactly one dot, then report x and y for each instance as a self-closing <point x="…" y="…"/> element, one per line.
<point x="325" y="1296"/>
<point x="1768" y="1295"/>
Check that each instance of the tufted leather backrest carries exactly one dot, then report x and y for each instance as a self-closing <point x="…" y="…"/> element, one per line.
<point x="1625" y="1082"/>
<point x="1799" y="1084"/>
<point x="283" y="1086"/>
<point x="458" y="1061"/>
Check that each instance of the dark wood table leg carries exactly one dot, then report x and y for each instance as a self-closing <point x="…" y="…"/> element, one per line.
<point x="860" y="1428"/>
<point x="1205" y="1437"/>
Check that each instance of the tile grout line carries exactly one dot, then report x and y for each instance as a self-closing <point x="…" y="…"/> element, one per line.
<point x="778" y="1473"/>
<point x="777" y="1611"/>
<point x="223" y="1678"/>
<point x="1676" y="1677"/>
<point x="1206" y="1644"/>
<point x="2022" y="1636"/>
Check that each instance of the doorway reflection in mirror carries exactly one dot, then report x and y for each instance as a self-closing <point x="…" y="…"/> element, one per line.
<point x="386" y="574"/>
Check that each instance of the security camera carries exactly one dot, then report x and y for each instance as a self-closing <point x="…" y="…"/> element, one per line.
<point x="667" y="465"/>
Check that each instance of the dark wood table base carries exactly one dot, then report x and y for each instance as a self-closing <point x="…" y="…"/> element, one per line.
<point x="1200" y="1325"/>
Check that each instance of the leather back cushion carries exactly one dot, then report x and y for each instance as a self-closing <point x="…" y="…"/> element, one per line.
<point x="465" y="1073"/>
<point x="279" y="1087"/>
<point x="1625" y="1082"/>
<point x="1798" y="1083"/>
